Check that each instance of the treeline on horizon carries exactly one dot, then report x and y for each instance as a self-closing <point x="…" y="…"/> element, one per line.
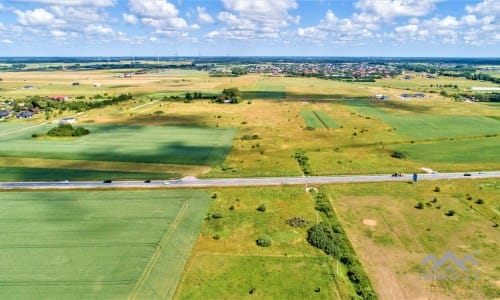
<point x="253" y="59"/>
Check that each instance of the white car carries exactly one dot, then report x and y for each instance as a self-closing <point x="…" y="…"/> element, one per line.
<point x="65" y="181"/>
<point x="166" y="182"/>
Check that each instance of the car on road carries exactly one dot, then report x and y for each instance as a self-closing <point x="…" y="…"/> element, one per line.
<point x="481" y="172"/>
<point x="147" y="181"/>
<point x="107" y="181"/>
<point x="65" y="181"/>
<point x="166" y="182"/>
<point x="467" y="174"/>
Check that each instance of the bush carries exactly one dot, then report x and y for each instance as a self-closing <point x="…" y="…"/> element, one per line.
<point x="479" y="201"/>
<point x="296" y="222"/>
<point x="420" y="205"/>
<point x="437" y="189"/>
<point x="450" y="213"/>
<point x="398" y="155"/>
<point x="323" y="237"/>
<point x="67" y="130"/>
<point x="217" y="215"/>
<point x="262" y="207"/>
<point x="264" y="241"/>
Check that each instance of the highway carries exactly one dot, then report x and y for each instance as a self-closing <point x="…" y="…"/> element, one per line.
<point x="191" y="182"/>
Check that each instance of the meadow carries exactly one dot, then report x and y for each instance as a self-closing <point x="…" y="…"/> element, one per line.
<point x="125" y="143"/>
<point x="226" y="263"/>
<point x="318" y="119"/>
<point x="97" y="244"/>
<point x="392" y="236"/>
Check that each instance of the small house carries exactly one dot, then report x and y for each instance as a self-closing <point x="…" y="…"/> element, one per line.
<point x="68" y="120"/>
<point x="24" y="115"/>
<point x="4" y="114"/>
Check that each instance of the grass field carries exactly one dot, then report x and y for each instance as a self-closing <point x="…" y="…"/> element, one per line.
<point x="392" y="237"/>
<point x="230" y="266"/>
<point x="318" y="119"/>
<point x="149" y="144"/>
<point x="96" y="245"/>
<point x="46" y="174"/>
<point x="423" y="126"/>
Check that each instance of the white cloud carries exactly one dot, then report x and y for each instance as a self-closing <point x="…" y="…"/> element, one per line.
<point x="37" y="17"/>
<point x="129" y="19"/>
<point x="259" y="19"/>
<point x="98" y="3"/>
<point x="6" y="41"/>
<point x="58" y="33"/>
<point x="390" y="9"/>
<point x="78" y="15"/>
<point x="158" y="13"/>
<point x="203" y="17"/>
<point x="98" y="29"/>
<point x="487" y="7"/>
<point x="340" y="30"/>
<point x="153" y="8"/>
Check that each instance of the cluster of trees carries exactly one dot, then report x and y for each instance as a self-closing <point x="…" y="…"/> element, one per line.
<point x="67" y="130"/>
<point x="232" y="94"/>
<point x="79" y="106"/>
<point x="329" y="237"/>
<point x="303" y="161"/>
<point x="196" y="95"/>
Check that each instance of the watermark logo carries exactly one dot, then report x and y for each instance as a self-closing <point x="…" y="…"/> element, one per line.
<point x="449" y="267"/>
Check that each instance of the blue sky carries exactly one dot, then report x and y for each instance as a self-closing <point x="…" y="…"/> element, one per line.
<point x="250" y="27"/>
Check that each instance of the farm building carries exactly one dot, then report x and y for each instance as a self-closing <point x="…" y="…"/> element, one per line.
<point x="4" y="114"/>
<point x="68" y="120"/>
<point x="24" y="115"/>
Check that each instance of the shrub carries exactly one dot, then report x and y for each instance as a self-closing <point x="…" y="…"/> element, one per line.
<point x="323" y="237"/>
<point x="262" y="207"/>
<point x="34" y="135"/>
<point x="420" y="205"/>
<point x="398" y="155"/>
<point x="296" y="222"/>
<point x="479" y="201"/>
<point x="434" y="200"/>
<point x="450" y="213"/>
<point x="217" y="215"/>
<point x="437" y="189"/>
<point x="264" y="241"/>
<point x="216" y="237"/>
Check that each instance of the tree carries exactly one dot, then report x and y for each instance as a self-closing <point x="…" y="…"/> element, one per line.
<point x="188" y="96"/>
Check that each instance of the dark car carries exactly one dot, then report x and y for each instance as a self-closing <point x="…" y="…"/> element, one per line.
<point x="107" y="181"/>
<point x="467" y="174"/>
<point x="147" y="181"/>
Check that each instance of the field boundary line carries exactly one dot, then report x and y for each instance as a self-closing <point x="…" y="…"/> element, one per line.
<point x="24" y="128"/>
<point x="319" y="119"/>
<point x="156" y="254"/>
<point x="145" y="104"/>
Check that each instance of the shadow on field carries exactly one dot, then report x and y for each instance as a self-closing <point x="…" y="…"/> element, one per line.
<point x="282" y="95"/>
<point x="168" y="119"/>
<point x="401" y="105"/>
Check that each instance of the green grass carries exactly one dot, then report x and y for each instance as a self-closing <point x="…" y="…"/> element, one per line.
<point x="325" y="119"/>
<point x="311" y="119"/>
<point x="48" y="174"/>
<point x="126" y="143"/>
<point x="96" y="245"/>
<point x="317" y="119"/>
<point x="424" y="126"/>
<point x="228" y="267"/>
<point x="460" y="151"/>
<point x="272" y="278"/>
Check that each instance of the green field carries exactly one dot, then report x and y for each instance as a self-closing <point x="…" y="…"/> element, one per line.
<point x="126" y="143"/>
<point x="45" y="174"/>
<point x="423" y="126"/>
<point x="317" y="119"/>
<point x="466" y="151"/>
<point x="96" y="245"/>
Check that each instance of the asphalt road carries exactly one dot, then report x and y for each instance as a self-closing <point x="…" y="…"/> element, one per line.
<point x="221" y="182"/>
